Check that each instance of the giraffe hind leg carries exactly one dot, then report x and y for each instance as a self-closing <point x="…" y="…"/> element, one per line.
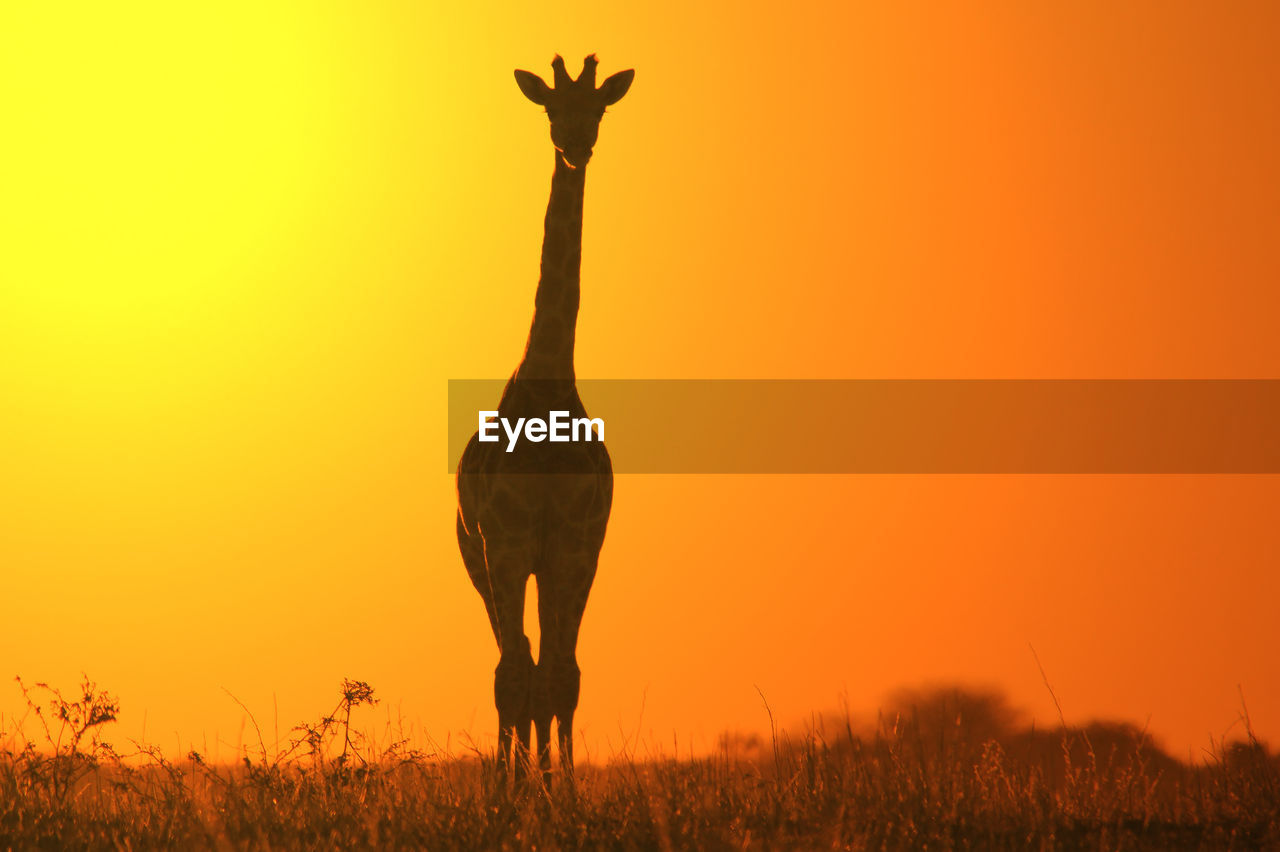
<point x="472" y="548"/>
<point x="541" y="710"/>
<point x="500" y="576"/>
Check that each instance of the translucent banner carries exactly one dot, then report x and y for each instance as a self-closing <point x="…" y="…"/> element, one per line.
<point x="892" y="426"/>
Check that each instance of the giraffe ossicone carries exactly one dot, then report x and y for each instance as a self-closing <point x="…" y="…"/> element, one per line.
<point x="532" y="510"/>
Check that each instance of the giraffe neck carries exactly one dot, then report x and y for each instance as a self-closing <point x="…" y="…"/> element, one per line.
<point x="549" y="352"/>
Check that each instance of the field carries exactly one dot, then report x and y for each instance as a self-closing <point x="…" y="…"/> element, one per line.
<point x="940" y="769"/>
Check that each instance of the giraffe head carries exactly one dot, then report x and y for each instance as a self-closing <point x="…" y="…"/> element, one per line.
<point x="574" y="106"/>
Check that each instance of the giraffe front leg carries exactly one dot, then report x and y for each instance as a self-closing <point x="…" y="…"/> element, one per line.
<point x="564" y="684"/>
<point x="512" y="689"/>
<point x="560" y="611"/>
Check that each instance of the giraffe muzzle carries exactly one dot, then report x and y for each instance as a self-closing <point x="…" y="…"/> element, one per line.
<point x="575" y="158"/>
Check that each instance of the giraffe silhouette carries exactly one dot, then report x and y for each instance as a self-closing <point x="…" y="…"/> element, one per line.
<point x="541" y="510"/>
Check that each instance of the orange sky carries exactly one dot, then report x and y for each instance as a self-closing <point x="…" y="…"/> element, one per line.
<point x="242" y="253"/>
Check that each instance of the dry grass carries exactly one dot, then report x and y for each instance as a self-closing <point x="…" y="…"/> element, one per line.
<point x="945" y="769"/>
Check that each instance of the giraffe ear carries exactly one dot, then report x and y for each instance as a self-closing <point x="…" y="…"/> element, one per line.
<point x="616" y="86"/>
<point x="533" y="87"/>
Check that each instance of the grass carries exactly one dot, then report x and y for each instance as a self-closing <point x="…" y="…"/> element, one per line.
<point x="942" y="769"/>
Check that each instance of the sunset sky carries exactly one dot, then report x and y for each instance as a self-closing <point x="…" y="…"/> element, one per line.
<point x="243" y="249"/>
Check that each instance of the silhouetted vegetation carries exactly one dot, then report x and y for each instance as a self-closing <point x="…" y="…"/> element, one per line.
<point x="940" y="768"/>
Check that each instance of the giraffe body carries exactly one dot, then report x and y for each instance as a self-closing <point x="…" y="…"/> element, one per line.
<point x="541" y="510"/>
